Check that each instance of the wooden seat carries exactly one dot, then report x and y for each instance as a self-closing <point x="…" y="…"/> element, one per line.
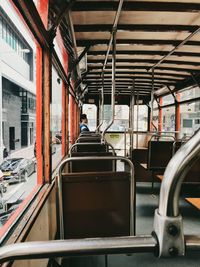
<point x="88" y="165"/>
<point x="96" y="204"/>
<point x="159" y="154"/>
<point x="194" y="201"/>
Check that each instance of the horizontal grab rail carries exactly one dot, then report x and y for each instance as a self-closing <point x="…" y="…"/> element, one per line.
<point x="88" y="246"/>
<point x="77" y="247"/>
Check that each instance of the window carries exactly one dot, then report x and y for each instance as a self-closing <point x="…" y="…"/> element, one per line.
<point x="121" y="118"/>
<point x="19" y="126"/>
<point x="190" y="122"/>
<point x="169" y="119"/>
<point x="189" y="93"/>
<point x="91" y="111"/>
<point x="56" y="120"/>
<point x="166" y="100"/>
<point x="142" y="118"/>
<point x="13" y="40"/>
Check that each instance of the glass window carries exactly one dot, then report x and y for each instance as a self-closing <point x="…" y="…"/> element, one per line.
<point x="168" y="119"/>
<point x="190" y="118"/>
<point x="189" y="93"/>
<point x="0" y="27"/>
<point x="121" y="118"/>
<point x="4" y="30"/>
<point x="91" y="111"/>
<point x="142" y="118"/>
<point x="166" y="100"/>
<point x="17" y="151"/>
<point x="56" y="119"/>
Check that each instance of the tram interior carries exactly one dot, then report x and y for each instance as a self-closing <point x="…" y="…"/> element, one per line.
<point x="137" y="205"/>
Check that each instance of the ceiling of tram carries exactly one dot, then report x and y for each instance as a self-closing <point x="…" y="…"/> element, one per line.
<point x="147" y="31"/>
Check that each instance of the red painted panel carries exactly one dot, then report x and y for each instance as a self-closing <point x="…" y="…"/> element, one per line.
<point x="43" y="8"/>
<point x="39" y="114"/>
<point x="63" y="119"/>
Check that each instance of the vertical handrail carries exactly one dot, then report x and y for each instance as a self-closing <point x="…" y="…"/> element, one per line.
<point x="152" y="99"/>
<point x="137" y="119"/>
<point x="132" y="102"/>
<point x="113" y="87"/>
<point x="125" y="142"/>
<point x="102" y="104"/>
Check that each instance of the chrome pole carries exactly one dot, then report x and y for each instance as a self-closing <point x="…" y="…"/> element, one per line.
<point x="102" y="105"/>
<point x="152" y="99"/>
<point x="137" y="118"/>
<point x="113" y="87"/>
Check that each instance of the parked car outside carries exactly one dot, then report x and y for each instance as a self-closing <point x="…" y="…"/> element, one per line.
<point x="17" y="169"/>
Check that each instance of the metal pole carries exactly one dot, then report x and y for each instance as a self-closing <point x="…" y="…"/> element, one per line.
<point x="152" y="99"/>
<point x="102" y="105"/>
<point x="113" y="87"/>
<point x="137" y="118"/>
<point x="132" y="116"/>
<point x="113" y="29"/>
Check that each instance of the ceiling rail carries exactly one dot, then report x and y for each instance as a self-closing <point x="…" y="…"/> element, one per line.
<point x="113" y="29"/>
<point x="174" y="49"/>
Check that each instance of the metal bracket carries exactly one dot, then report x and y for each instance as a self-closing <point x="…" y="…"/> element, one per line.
<point x="169" y="232"/>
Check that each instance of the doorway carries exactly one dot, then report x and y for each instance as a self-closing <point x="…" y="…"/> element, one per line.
<point x="12" y="138"/>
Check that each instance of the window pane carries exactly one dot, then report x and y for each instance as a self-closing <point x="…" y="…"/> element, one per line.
<point x="169" y="119"/>
<point x="142" y="118"/>
<point x="190" y="118"/>
<point x="18" y="126"/>
<point x="121" y="119"/>
<point x="91" y="111"/>
<point x="56" y="119"/>
<point x="189" y="93"/>
<point x="169" y="99"/>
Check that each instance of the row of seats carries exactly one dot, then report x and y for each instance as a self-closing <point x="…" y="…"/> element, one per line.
<point x="95" y="197"/>
<point x="160" y="153"/>
<point x="153" y="161"/>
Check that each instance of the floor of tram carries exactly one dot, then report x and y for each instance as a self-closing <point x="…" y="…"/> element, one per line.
<point x="146" y="203"/>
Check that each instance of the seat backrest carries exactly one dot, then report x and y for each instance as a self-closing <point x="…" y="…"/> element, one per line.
<point x="193" y="176"/>
<point x="96" y="204"/>
<point x="89" y="139"/>
<point x="92" y="148"/>
<point x="159" y="154"/>
<point x="90" y="166"/>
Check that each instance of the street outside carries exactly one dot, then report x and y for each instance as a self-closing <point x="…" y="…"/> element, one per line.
<point x="18" y="191"/>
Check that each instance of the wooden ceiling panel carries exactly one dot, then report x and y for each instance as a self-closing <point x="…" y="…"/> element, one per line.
<point x="147" y="32"/>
